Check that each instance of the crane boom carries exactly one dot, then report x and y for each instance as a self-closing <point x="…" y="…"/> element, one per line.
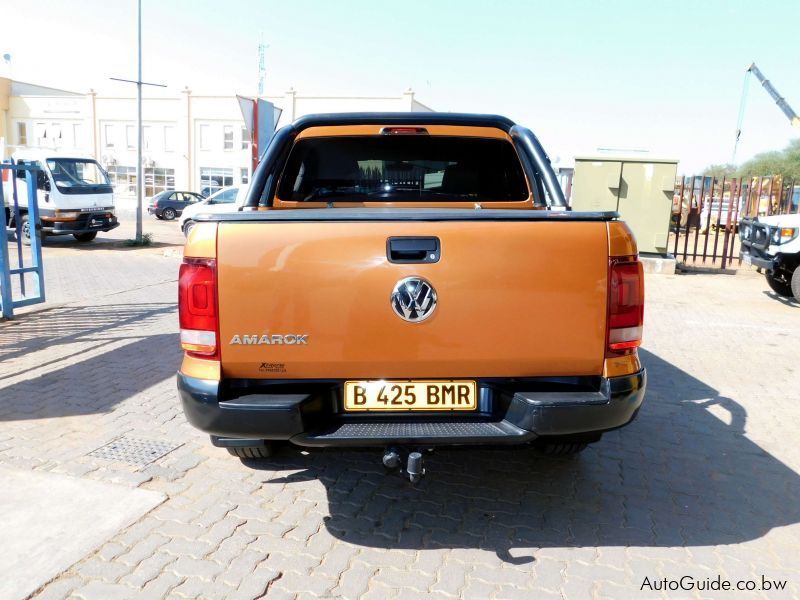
<point x="779" y="100"/>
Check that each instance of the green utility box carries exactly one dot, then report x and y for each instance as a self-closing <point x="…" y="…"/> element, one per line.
<point x="640" y="189"/>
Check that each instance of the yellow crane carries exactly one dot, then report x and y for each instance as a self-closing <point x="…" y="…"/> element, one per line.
<point x="787" y="110"/>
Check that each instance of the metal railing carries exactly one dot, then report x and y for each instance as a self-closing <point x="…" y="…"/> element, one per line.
<point x="11" y="210"/>
<point x="706" y="211"/>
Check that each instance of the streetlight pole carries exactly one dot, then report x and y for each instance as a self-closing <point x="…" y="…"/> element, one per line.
<point x="139" y="168"/>
<point x="139" y="83"/>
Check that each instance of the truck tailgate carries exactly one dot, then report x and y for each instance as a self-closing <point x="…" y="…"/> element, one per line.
<point x="519" y="298"/>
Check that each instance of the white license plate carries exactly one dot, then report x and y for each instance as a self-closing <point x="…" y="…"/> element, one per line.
<point x="747" y="259"/>
<point x="410" y="395"/>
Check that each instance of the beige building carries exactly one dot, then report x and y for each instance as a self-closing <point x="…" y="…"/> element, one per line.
<point x="190" y="141"/>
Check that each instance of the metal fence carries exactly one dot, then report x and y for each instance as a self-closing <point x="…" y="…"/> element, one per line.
<point x="13" y="211"/>
<point x="706" y="211"/>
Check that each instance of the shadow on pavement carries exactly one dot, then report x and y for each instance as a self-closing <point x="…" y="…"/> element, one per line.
<point x="782" y="299"/>
<point x="66" y="242"/>
<point x="52" y="343"/>
<point x="678" y="476"/>
<point x="54" y="327"/>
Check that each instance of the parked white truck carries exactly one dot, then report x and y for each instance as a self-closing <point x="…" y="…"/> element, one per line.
<point x="74" y="196"/>
<point x="773" y="244"/>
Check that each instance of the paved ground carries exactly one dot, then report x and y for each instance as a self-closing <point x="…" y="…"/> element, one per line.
<point x="705" y="483"/>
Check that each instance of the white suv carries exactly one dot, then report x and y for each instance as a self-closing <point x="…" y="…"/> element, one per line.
<point x="228" y="199"/>
<point x="773" y="244"/>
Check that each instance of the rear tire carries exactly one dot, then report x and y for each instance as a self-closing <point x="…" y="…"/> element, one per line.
<point x="251" y="451"/>
<point x="85" y="237"/>
<point x="780" y="283"/>
<point x="169" y="214"/>
<point x="187" y="227"/>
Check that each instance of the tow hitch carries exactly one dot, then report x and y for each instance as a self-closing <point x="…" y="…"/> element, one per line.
<point x="393" y="458"/>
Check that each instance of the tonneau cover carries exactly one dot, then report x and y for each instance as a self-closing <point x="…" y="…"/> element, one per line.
<point x="407" y="214"/>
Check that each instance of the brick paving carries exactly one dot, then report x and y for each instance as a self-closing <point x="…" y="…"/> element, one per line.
<point x="704" y="483"/>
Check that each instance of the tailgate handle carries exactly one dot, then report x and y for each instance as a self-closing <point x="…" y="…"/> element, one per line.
<point x="413" y="249"/>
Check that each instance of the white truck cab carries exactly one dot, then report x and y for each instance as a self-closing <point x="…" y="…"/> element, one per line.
<point x="773" y="244"/>
<point x="73" y="194"/>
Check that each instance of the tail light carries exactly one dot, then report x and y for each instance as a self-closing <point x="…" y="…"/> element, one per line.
<point x="197" y="307"/>
<point x="625" y="305"/>
<point x="154" y="203"/>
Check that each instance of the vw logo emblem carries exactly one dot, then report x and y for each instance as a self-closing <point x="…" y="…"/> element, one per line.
<point x="413" y="299"/>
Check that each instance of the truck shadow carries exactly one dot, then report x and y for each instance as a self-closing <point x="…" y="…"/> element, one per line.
<point x="782" y="299"/>
<point x="683" y="474"/>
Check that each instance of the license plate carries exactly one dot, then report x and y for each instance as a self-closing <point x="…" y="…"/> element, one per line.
<point x="410" y="395"/>
<point x="748" y="260"/>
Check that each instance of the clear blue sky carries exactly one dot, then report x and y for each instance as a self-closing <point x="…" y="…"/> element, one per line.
<point x="659" y="75"/>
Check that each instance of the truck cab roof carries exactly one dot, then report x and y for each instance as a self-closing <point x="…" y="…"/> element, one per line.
<point x="403" y="118"/>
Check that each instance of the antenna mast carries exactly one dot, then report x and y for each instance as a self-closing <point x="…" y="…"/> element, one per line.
<point x="262" y="70"/>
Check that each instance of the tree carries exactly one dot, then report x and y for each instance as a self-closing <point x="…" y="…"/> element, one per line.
<point x="721" y="170"/>
<point x="784" y="162"/>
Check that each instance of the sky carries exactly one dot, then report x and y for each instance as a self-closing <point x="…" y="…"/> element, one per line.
<point x="661" y="76"/>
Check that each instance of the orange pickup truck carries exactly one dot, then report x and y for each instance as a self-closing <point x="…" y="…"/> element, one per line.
<point x="408" y="281"/>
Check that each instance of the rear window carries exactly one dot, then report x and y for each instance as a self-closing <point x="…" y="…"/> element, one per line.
<point x="400" y="168"/>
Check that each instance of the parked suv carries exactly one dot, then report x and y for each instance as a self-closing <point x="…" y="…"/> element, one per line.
<point x="170" y="204"/>
<point x="772" y="243"/>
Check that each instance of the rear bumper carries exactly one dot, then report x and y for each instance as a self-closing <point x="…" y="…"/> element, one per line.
<point x="509" y="412"/>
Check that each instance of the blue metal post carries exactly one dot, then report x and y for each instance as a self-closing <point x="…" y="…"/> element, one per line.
<point x="17" y="225"/>
<point x="5" y="265"/>
<point x="34" y="225"/>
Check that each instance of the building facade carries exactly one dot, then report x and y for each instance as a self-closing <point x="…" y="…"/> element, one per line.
<point x="190" y="141"/>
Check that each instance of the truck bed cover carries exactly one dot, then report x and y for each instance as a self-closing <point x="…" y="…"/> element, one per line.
<point x="406" y="214"/>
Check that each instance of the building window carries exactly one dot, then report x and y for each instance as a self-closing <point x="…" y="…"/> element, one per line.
<point x="123" y="179"/>
<point x="169" y="138"/>
<point x="77" y="134"/>
<point x="245" y="176"/>
<point x="40" y="132"/>
<point x="147" y="137"/>
<point x="157" y="180"/>
<point x="22" y="134"/>
<point x="204" y="136"/>
<point x="227" y="131"/>
<point x="130" y="137"/>
<point x="108" y="134"/>
<point x="245" y="139"/>
<point x="213" y="179"/>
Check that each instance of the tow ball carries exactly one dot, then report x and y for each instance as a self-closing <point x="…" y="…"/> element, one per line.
<point x="393" y="458"/>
